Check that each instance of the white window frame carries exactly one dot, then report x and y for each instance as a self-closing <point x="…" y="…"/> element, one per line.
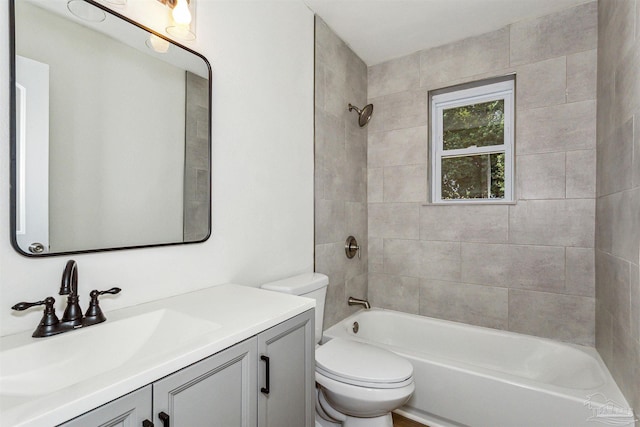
<point x="477" y="94"/>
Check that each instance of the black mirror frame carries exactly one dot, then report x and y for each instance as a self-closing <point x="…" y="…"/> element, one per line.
<point x="12" y="136"/>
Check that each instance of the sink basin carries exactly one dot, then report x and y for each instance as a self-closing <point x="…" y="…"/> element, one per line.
<point x="50" y="364"/>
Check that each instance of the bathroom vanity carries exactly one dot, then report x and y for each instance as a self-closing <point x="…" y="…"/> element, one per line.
<point x="238" y="355"/>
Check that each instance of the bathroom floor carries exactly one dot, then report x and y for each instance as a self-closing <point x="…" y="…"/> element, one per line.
<point x="399" y="421"/>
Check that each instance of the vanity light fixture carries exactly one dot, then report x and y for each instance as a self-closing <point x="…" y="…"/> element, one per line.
<point x="86" y="11"/>
<point x="182" y="17"/>
<point x="157" y="44"/>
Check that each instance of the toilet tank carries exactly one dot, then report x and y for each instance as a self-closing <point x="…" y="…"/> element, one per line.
<point x="309" y="285"/>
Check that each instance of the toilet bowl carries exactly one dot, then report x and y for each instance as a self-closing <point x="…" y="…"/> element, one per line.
<point x="358" y="385"/>
<point x="361" y="382"/>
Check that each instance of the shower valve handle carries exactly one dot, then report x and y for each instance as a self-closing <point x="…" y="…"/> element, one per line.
<point x="351" y="247"/>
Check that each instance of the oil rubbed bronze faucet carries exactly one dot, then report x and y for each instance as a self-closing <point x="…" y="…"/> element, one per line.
<point x="72" y="317"/>
<point x="69" y="286"/>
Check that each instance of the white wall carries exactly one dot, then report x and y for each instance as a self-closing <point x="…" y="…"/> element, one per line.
<point x="262" y="58"/>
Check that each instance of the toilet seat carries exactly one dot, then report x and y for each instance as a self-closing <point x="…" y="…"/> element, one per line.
<point x="363" y="365"/>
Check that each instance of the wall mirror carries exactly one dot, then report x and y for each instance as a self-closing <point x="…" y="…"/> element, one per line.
<point x="111" y="132"/>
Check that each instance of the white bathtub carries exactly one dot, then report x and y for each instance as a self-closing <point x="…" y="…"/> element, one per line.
<point x="472" y="376"/>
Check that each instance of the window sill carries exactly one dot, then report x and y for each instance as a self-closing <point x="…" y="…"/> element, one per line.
<point x="468" y="203"/>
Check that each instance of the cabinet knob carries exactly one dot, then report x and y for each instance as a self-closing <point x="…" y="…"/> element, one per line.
<point x="147" y="423"/>
<point x="164" y="417"/>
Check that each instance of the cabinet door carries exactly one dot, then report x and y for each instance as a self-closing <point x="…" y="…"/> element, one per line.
<point x="290" y="348"/>
<point x="128" y="411"/>
<point x="219" y="391"/>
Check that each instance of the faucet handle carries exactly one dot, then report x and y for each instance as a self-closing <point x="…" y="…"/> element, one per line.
<point x="94" y="313"/>
<point x="48" y="324"/>
<point x="114" y="290"/>
<point x="21" y="306"/>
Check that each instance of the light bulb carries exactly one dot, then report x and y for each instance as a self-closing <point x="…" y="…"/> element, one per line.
<point x="181" y="13"/>
<point x="158" y="44"/>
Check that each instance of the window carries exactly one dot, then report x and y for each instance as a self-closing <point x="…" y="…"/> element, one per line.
<point x="472" y="142"/>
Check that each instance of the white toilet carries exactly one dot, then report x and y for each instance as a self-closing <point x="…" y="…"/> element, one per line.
<point x="358" y="385"/>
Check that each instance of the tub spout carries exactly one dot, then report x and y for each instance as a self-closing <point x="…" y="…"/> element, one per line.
<point x="357" y="301"/>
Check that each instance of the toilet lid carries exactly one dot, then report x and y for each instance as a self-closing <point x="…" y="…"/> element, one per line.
<point x="359" y="363"/>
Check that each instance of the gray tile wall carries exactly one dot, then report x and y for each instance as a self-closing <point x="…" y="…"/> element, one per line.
<point x="340" y="171"/>
<point x="527" y="267"/>
<point x="618" y="194"/>
<point x="196" y="176"/>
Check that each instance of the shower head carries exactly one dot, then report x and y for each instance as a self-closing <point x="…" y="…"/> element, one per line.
<point x="364" y="115"/>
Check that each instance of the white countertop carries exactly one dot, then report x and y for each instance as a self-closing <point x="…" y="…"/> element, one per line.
<point x="241" y="312"/>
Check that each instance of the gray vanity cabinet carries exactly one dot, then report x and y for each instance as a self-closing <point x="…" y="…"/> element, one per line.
<point x="128" y="411"/>
<point x="228" y="389"/>
<point x="289" y="347"/>
<point x="219" y="391"/>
